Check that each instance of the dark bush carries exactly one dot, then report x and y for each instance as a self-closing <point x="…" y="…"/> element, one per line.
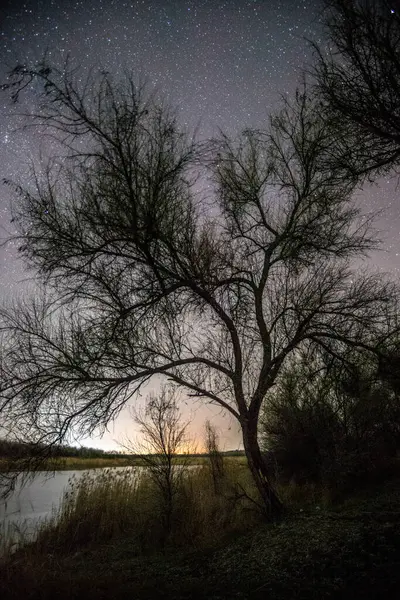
<point x="334" y="428"/>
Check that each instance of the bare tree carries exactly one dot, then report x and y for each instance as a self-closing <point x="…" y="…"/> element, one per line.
<point x="358" y="79"/>
<point x="163" y="435"/>
<point x="214" y="453"/>
<point x="141" y="281"/>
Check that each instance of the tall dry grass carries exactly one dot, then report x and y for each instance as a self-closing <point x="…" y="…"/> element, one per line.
<point x="102" y="507"/>
<point x="13" y="535"/>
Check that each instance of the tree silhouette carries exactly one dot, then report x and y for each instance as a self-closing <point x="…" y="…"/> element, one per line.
<point x="142" y="280"/>
<point x="163" y="435"/>
<point x="358" y="80"/>
<point x="214" y="453"/>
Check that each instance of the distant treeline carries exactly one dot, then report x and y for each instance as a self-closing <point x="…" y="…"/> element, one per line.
<point x="16" y="450"/>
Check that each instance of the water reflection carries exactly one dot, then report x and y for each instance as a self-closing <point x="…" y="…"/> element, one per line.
<point x="32" y="502"/>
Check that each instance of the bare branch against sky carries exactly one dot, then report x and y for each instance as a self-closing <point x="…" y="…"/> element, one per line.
<point x="140" y="280"/>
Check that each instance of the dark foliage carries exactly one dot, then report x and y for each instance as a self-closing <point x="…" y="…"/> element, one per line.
<point x="358" y="81"/>
<point x="17" y="450"/>
<point x="337" y="426"/>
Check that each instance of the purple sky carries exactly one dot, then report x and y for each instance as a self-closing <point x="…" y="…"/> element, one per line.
<point x="223" y="63"/>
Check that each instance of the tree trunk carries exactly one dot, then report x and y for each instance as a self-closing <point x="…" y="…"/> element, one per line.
<point x="271" y="503"/>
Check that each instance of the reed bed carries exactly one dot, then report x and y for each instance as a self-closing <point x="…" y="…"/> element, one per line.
<point x="15" y="534"/>
<point x="105" y="506"/>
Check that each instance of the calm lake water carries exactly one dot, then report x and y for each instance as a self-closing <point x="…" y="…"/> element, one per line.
<point x="33" y="502"/>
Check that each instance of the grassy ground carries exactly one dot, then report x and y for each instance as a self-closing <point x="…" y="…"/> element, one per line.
<point x="346" y="551"/>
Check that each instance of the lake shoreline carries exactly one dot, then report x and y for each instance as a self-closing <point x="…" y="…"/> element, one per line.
<point x="73" y="464"/>
<point x="347" y="552"/>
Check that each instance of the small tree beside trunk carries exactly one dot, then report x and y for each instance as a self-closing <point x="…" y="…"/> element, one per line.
<point x="214" y="454"/>
<point x="162" y="436"/>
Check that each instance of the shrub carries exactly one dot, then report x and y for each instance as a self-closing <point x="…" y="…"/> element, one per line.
<point x="334" y="429"/>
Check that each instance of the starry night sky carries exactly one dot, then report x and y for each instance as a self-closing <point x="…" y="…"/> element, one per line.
<point x="224" y="64"/>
